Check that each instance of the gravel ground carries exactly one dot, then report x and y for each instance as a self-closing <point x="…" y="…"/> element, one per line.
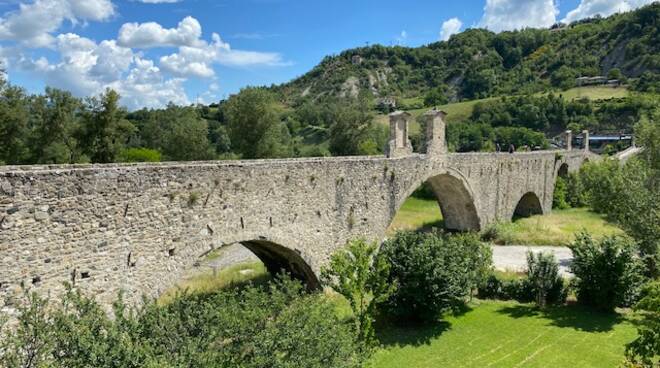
<point x="514" y="257"/>
<point x="505" y="258"/>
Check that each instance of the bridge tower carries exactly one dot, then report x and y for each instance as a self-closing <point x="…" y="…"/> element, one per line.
<point x="436" y="144"/>
<point x="585" y="137"/>
<point x="568" y="135"/>
<point x="399" y="144"/>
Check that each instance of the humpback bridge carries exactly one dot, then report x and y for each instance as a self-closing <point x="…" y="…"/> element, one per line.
<point x="140" y="227"/>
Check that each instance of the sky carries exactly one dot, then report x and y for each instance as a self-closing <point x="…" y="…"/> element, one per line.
<point x="186" y="51"/>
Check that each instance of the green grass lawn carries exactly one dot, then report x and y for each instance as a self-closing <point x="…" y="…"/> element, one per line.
<point x="556" y="228"/>
<point x="509" y="334"/>
<point x="207" y="281"/>
<point x="416" y="214"/>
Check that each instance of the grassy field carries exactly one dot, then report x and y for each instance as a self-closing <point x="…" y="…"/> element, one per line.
<point x="208" y="281"/>
<point x="556" y="228"/>
<point x="594" y="93"/>
<point x="416" y="214"/>
<point x="461" y="111"/>
<point x="509" y="334"/>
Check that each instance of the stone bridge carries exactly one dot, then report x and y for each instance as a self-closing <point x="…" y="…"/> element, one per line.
<point x="140" y="227"/>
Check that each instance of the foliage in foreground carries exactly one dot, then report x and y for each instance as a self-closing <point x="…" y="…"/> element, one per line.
<point x="608" y="273"/>
<point x="543" y="276"/>
<point x="435" y="272"/>
<point x="645" y="350"/>
<point x="360" y="274"/>
<point x="278" y="326"/>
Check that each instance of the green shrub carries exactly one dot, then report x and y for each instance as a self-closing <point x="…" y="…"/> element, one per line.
<point x="543" y="276"/>
<point x="361" y="275"/>
<point x="494" y="287"/>
<point x="608" y="274"/>
<point x="645" y="349"/>
<point x="435" y="272"/>
<point x="560" y="194"/>
<point x="139" y="155"/>
<point x="278" y="326"/>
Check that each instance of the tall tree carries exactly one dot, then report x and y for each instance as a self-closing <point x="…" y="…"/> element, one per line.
<point x="54" y="121"/>
<point x="105" y="130"/>
<point x="14" y="117"/>
<point x="254" y="124"/>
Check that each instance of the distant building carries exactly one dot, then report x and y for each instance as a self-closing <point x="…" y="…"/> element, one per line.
<point x="386" y="103"/>
<point x="593" y="81"/>
<point x="598" y="143"/>
<point x="356" y="60"/>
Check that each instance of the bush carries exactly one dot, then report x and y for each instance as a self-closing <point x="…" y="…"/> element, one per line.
<point x="543" y="276"/>
<point x="435" y="272"/>
<point x="608" y="274"/>
<point x="361" y="276"/>
<point x="645" y="350"/>
<point x="560" y="194"/>
<point x="278" y="326"/>
<point x="139" y="155"/>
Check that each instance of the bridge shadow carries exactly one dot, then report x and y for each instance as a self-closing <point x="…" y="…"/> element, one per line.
<point x="575" y="316"/>
<point x="413" y="332"/>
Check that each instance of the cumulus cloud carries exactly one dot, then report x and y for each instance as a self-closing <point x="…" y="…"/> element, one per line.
<point x="87" y="68"/>
<point x="504" y="15"/>
<point x="152" y="34"/>
<point x="450" y="27"/>
<point x="590" y="8"/>
<point x="32" y="24"/>
<point x="198" y="61"/>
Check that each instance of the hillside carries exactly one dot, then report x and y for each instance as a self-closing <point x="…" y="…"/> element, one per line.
<point x="478" y="63"/>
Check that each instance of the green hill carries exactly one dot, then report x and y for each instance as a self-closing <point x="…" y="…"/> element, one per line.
<point x="478" y="63"/>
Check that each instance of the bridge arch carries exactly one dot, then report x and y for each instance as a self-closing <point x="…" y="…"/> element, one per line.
<point x="455" y="199"/>
<point x="278" y="258"/>
<point x="563" y="170"/>
<point x="528" y="205"/>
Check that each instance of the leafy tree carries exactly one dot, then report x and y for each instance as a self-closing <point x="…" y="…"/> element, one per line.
<point x="55" y="122"/>
<point x="644" y="351"/>
<point x="543" y="275"/>
<point x="608" y="273"/>
<point x="254" y="124"/>
<point x="435" y="272"/>
<point x="353" y="131"/>
<point x="14" y="118"/>
<point x="360" y="274"/>
<point x="105" y="130"/>
<point x="186" y="138"/>
<point x="436" y="96"/>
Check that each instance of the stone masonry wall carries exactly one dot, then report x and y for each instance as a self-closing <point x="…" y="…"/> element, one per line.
<point x="139" y="228"/>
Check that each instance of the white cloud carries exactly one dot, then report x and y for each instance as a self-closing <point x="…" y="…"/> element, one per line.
<point x="32" y="24"/>
<point x="152" y="34"/>
<point x="504" y="15"/>
<point x="198" y="61"/>
<point x="86" y="68"/>
<point x="450" y="27"/>
<point x="590" y="8"/>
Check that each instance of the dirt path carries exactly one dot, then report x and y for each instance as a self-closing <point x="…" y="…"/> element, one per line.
<point x="505" y="258"/>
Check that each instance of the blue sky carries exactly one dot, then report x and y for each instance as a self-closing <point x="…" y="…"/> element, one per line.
<point x="155" y="51"/>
